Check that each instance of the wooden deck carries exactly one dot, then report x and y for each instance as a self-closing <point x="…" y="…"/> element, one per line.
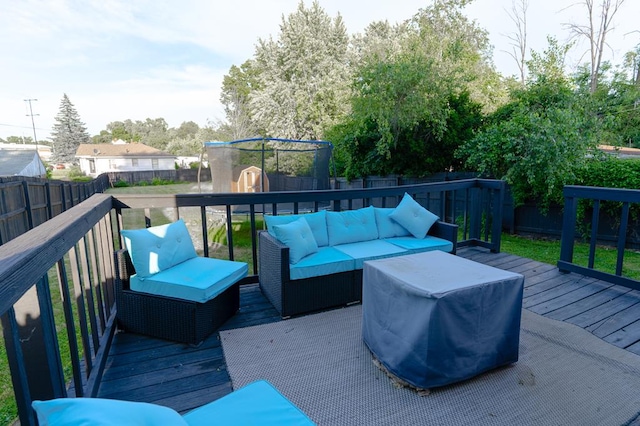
<point x="182" y="377"/>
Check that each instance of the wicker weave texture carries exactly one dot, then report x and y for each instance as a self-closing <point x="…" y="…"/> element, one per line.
<point x="169" y="318"/>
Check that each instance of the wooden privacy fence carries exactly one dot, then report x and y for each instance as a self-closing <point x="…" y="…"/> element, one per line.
<point x="28" y="202"/>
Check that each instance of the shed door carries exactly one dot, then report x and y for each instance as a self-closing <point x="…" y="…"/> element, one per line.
<point x="251" y="181"/>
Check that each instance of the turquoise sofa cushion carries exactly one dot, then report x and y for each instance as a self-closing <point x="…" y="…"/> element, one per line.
<point x="258" y="403"/>
<point x="199" y="279"/>
<point x="103" y="412"/>
<point x="387" y="227"/>
<point x="317" y="222"/>
<point x="412" y="216"/>
<point x="428" y="243"/>
<point x="351" y="226"/>
<point x="298" y="237"/>
<point x="158" y="248"/>
<point x="327" y="260"/>
<point x="370" y="250"/>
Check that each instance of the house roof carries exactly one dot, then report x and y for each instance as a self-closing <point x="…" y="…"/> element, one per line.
<point x="21" y="162"/>
<point x="105" y="150"/>
<point x="620" y="151"/>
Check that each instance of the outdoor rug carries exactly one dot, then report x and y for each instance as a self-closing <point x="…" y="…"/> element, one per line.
<point x="565" y="376"/>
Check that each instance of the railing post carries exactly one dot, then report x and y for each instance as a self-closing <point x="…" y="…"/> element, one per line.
<point x="475" y="213"/>
<point x="496" y="220"/>
<point x="568" y="231"/>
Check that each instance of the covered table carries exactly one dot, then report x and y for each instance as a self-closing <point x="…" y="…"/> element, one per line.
<point x="434" y="318"/>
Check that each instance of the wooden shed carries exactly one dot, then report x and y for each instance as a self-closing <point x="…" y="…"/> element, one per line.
<point x="247" y="179"/>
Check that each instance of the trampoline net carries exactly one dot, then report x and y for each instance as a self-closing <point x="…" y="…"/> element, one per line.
<point x="269" y="164"/>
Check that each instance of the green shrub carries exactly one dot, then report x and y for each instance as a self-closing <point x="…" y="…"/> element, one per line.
<point x="120" y="184"/>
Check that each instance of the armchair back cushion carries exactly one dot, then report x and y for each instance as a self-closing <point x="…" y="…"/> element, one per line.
<point x="351" y="226"/>
<point x="158" y="248"/>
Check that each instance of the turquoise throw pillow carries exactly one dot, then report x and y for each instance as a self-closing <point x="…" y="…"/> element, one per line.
<point x="158" y="248"/>
<point x="413" y="217"/>
<point x="351" y="226"/>
<point x="103" y="412"/>
<point x="387" y="227"/>
<point x="298" y="237"/>
<point x="317" y="222"/>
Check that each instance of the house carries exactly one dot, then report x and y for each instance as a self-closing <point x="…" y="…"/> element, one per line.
<point x="43" y="150"/>
<point x="620" y="151"/>
<point x="96" y="159"/>
<point x="21" y="162"/>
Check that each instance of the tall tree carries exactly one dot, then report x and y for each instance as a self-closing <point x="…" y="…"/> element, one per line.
<point x="68" y="132"/>
<point x="237" y="87"/>
<point x="518" y="39"/>
<point x="595" y="31"/>
<point x="303" y="75"/>
<point x="415" y="103"/>
<point x="539" y="140"/>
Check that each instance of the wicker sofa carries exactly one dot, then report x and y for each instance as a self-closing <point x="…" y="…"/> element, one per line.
<point x="293" y="295"/>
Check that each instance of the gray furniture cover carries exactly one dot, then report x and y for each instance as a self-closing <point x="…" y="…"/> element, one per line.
<point x="434" y="318"/>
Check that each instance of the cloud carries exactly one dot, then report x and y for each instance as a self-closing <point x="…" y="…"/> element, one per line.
<point x="119" y="59"/>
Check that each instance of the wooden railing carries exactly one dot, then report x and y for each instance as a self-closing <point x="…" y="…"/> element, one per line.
<point x="571" y="220"/>
<point x="72" y="253"/>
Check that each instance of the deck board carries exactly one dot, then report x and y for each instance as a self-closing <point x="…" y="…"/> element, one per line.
<point x="182" y="377"/>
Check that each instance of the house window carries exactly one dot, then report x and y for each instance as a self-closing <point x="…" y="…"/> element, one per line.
<point x="112" y="165"/>
<point x="134" y="162"/>
<point x="92" y="166"/>
<point x="154" y="164"/>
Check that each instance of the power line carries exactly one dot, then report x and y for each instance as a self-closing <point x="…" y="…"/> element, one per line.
<point x="33" y="124"/>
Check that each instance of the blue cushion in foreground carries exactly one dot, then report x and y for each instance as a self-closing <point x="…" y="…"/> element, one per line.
<point x="103" y="412"/>
<point x="258" y="403"/>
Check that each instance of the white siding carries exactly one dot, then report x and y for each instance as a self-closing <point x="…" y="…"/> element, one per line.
<point x="104" y="165"/>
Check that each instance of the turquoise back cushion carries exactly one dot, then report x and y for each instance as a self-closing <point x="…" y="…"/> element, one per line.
<point x="158" y="248"/>
<point x="413" y="217"/>
<point x="317" y="222"/>
<point x="351" y="226"/>
<point x="298" y="237"/>
<point x="387" y="227"/>
<point x="103" y="412"/>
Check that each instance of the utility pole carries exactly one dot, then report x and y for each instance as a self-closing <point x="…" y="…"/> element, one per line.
<point x="33" y="124"/>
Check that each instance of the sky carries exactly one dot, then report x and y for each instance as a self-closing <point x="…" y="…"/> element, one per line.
<point x="124" y="59"/>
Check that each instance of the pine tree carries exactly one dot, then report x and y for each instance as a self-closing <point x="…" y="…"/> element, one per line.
<point x="68" y="132"/>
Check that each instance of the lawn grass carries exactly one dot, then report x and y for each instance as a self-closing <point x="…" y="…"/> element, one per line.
<point x="548" y="251"/>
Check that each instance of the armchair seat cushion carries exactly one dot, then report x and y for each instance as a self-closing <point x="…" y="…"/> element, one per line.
<point x="258" y="403"/>
<point x="199" y="279"/>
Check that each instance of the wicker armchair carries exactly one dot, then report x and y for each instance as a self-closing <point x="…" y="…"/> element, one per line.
<point x="169" y="318"/>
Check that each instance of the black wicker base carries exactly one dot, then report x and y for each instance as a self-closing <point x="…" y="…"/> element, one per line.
<point x="169" y="318"/>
